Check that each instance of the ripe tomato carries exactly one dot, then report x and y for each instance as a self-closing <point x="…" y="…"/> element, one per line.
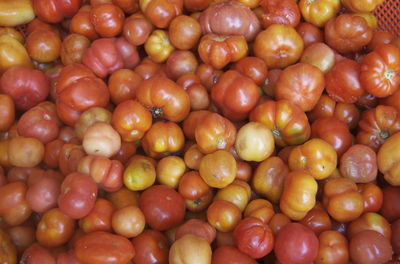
<point x="8" y="252"/>
<point x="128" y="221"/>
<point x="190" y="249"/>
<point x="223" y="215"/>
<point x="333" y="248"/>
<point x="52" y="11"/>
<point x="218" y="169"/>
<point x="7" y="112"/>
<point x="14" y="209"/>
<point x="388" y="159"/>
<point x="319" y="12"/>
<point x="99" y="218"/>
<point x="107" y="19"/>
<point x="152" y="247"/>
<point x="285" y="12"/>
<point x="370" y="221"/>
<point x="359" y="163"/>
<point x="230" y="254"/>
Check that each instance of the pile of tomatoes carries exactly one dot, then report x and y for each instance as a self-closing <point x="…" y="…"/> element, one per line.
<point x="198" y="132"/>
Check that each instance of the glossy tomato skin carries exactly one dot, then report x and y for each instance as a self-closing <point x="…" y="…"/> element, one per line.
<point x="53" y="11"/>
<point x="161" y="12"/>
<point x="253" y="237"/>
<point x="252" y="67"/>
<point x="235" y="94"/>
<point x="296" y="244"/>
<point x="347" y="33"/>
<point x="137" y="29"/>
<point x="107" y="19"/>
<point x="333" y="131"/>
<point x="372" y="196"/>
<point x="162" y="206"/>
<point x="380" y="71"/>
<point x="197" y="227"/>
<point x="301" y="84"/>
<point x="317" y="219"/>
<point x="151" y="246"/>
<point x="319" y="12"/>
<point x="103" y="248"/>
<point x="7" y="112"/>
<point x="359" y="163"/>
<point x="377" y="125"/>
<point x="309" y="33"/>
<point x="333" y="248"/>
<point x="78" y="195"/>
<point x="218" y="19"/>
<point x="230" y="254"/>
<point x="284" y="12"/>
<point x="36" y="254"/>
<point x="77" y="90"/>
<point x="342" y="82"/>
<point x="370" y="221"/>
<point x="388" y="159"/>
<point x="14" y="208"/>
<point x="31" y="88"/>
<point x="99" y="218"/>
<point x="42" y="195"/>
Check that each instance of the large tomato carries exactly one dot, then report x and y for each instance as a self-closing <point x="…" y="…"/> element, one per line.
<point x="152" y="247"/>
<point x="320" y="11"/>
<point x="284" y="12"/>
<point x="388" y="160"/>
<point x="288" y="123"/>
<point x="161" y="12"/>
<point x="14" y="209"/>
<point x="54" y="11"/>
<point x="230" y="254"/>
<point x="380" y="71"/>
<point x="235" y="94"/>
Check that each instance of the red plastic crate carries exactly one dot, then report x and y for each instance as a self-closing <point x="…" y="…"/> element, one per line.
<point x="388" y="14"/>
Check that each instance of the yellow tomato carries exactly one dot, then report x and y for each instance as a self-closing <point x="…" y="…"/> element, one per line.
<point x="139" y="174"/>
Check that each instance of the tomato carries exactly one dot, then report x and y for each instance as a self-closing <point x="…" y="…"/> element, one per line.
<point x="7" y="112"/>
<point x="317" y="219"/>
<point x="320" y="55"/>
<point x="36" y="254"/>
<point x="103" y="248"/>
<point x="73" y="47"/>
<point x="359" y="163"/>
<point x="43" y="45"/>
<point x="163" y="138"/>
<point x="218" y="17"/>
<point x="192" y="186"/>
<point x="218" y="169"/>
<point x="361" y="6"/>
<point x="309" y="33"/>
<point x="162" y="207"/>
<point x="164" y="98"/>
<point x="170" y="170"/>
<point x="25" y="151"/>
<point x="77" y="90"/>
<point x="388" y="160"/>
<point x="200" y="204"/>
<point x="69" y="157"/>
<point x="285" y="12"/>
<point x="81" y="23"/>
<point x="347" y="33"/>
<point x="198" y="93"/>
<point x="342" y="201"/>
<point x="16" y="13"/>
<point x="369" y="247"/>
<point x="137" y="29"/>
<point x="40" y="122"/>
<point x="99" y="218"/>
<point x="229" y="254"/>
<point x="395" y="236"/>
<point x="254" y="142"/>
<point x="299" y="194"/>
<point x="158" y="46"/>
<point x="179" y="63"/>
<point x="252" y="67"/>
<point x="316" y="156"/>
<point x="78" y="195"/>
<point x="392" y="100"/>
<point x="123" y="197"/>
<point x="192" y="157"/>
<point x="319" y="12"/>
<point x="27" y="87"/>
<point x="296" y="244"/>
<point x="128" y="221"/>
<point x="184" y="32"/>
<point x="190" y="249"/>
<point x="235" y="94"/>
<point x="238" y="193"/>
<point x="372" y="196"/>
<point x="333" y="248"/>
<point x="380" y="71"/>
<point x="377" y="125"/>
<point x="223" y="215"/>
<point x="370" y="221"/>
<point x="342" y="82"/>
<point x="52" y="11"/>
<point x="89" y="117"/>
<point x="261" y="209"/>
<point x="390" y="208"/>
<point x="288" y="122"/>
<point x="54" y="228"/>
<point x="139" y="174"/>
<point x="151" y="247"/>
<point x="279" y="46"/>
<point x="101" y="139"/>
<point x="42" y="195"/>
<point x="191" y="122"/>
<point x="13" y="53"/>
<point x="196" y="227"/>
<point x="107" y="19"/>
<point x="8" y="252"/>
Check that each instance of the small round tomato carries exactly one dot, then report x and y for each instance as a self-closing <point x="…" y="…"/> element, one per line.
<point x="261" y="209"/>
<point x="319" y="12"/>
<point x="192" y="186"/>
<point x="25" y="151"/>
<point x="284" y="12"/>
<point x="101" y="139"/>
<point x="317" y="219"/>
<point x="78" y="195"/>
<point x="7" y="112"/>
<point x="43" y="45"/>
<point x="370" y="221"/>
<point x="99" y="218"/>
<point x="310" y="33"/>
<point x="252" y="67"/>
<point x="223" y="215"/>
<point x="333" y="248"/>
<point x="230" y="254"/>
<point x="123" y="197"/>
<point x="218" y="169"/>
<point x="162" y="207"/>
<point x="128" y="221"/>
<point x="139" y="174"/>
<point x="279" y="46"/>
<point x="107" y="19"/>
<point x="369" y="247"/>
<point x="320" y="55"/>
<point x="254" y="142"/>
<point x="102" y="247"/>
<point x="13" y="54"/>
<point x="316" y="156"/>
<point x="170" y="171"/>
<point x="196" y="227"/>
<point x="302" y="84"/>
<point x="89" y="117"/>
<point x="359" y="163"/>
<point x="297" y="244"/>
<point x="73" y="47"/>
<point x="253" y="237"/>
<point x="299" y="194"/>
<point x="190" y="249"/>
<point x="152" y="247"/>
<point x="42" y="195"/>
<point x="158" y="46"/>
<point x="238" y="193"/>
<point x="372" y="196"/>
<point x="36" y="254"/>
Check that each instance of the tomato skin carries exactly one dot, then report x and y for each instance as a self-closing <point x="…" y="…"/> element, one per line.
<point x="190" y="249"/>
<point x="361" y="6"/>
<point x="218" y="16"/>
<point x="69" y="157"/>
<point x="309" y="33"/>
<point x="252" y="67"/>
<point x="164" y="98"/>
<point x="284" y="12"/>
<point x="160" y="12"/>
<point x="103" y="248"/>
<point x="302" y="84"/>
<point x="53" y="11"/>
<point x="296" y="244"/>
<point x="370" y="221"/>
<point x="151" y="247"/>
<point x="99" y="218"/>
<point x="31" y="88"/>
<point x="14" y="209"/>
<point x="78" y="89"/>
<point x="359" y="163"/>
<point x="396" y="236"/>
<point x="229" y="254"/>
<point x="319" y="12"/>
<point x="333" y="248"/>
<point x="347" y="33"/>
<point x="235" y="94"/>
<point x="7" y="112"/>
<point x="380" y="70"/>
<point x="390" y="209"/>
<point x="372" y="196"/>
<point x="107" y="19"/>
<point x="8" y="253"/>
<point x="196" y="227"/>
<point x="78" y="195"/>
<point x="36" y="254"/>
<point x="317" y="219"/>
<point x="377" y="125"/>
<point x="342" y="82"/>
<point x="162" y="207"/>
<point x="42" y="195"/>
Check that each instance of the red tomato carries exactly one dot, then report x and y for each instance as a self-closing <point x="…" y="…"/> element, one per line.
<point x="284" y="12"/>
<point x="78" y="195"/>
<point x="162" y="207"/>
<point x="231" y="255"/>
<point x="27" y="87"/>
<point x="37" y="254"/>
<point x="54" y="11"/>
<point x="253" y="237"/>
<point x="152" y="247"/>
<point x="42" y="195"/>
<point x="107" y="19"/>
<point x="7" y="112"/>
<point x="196" y="227"/>
<point x="296" y="244"/>
<point x="333" y="248"/>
